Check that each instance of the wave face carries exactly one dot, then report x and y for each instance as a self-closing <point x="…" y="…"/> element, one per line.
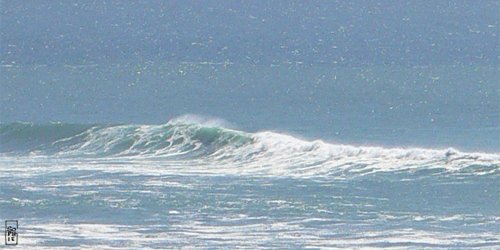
<point x="195" y="183"/>
<point x="205" y="147"/>
<point x="168" y="140"/>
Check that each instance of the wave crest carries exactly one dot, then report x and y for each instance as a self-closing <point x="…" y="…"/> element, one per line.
<point x="210" y="148"/>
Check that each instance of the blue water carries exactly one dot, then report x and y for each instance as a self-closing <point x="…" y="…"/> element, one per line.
<point x="192" y="182"/>
<point x="425" y="106"/>
<point x="270" y="124"/>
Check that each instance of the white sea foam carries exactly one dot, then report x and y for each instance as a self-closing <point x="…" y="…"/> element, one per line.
<point x="247" y="235"/>
<point x="183" y="146"/>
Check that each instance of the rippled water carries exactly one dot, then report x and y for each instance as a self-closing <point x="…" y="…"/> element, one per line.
<point x="250" y="124"/>
<point x="201" y="185"/>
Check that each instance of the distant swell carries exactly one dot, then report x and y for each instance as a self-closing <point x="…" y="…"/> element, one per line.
<point x="201" y="147"/>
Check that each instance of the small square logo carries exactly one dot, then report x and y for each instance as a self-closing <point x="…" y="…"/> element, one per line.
<point x="11" y="235"/>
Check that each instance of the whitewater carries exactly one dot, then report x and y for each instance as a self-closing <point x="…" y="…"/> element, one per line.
<point x="187" y="146"/>
<point x="196" y="182"/>
<point x="250" y="124"/>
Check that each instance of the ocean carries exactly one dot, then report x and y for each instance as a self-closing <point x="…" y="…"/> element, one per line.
<point x="255" y="125"/>
<point x="283" y="175"/>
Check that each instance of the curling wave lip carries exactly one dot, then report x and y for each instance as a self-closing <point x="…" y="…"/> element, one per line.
<point x="208" y="148"/>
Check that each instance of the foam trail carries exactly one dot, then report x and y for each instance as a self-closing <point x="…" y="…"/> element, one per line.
<point x="184" y="145"/>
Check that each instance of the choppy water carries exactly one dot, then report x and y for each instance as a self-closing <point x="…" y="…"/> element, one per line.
<point x="312" y="156"/>
<point x="199" y="184"/>
<point x="250" y="124"/>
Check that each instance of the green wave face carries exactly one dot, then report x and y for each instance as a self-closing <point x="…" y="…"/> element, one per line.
<point x="25" y="137"/>
<point x="201" y="147"/>
<point x="116" y="140"/>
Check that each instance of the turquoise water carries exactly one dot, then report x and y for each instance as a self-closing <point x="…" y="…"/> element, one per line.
<point x="194" y="183"/>
<point x="166" y="155"/>
<point x="250" y="124"/>
<point x="425" y="106"/>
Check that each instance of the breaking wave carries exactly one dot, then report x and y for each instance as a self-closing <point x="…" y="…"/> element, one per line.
<point x="208" y="147"/>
